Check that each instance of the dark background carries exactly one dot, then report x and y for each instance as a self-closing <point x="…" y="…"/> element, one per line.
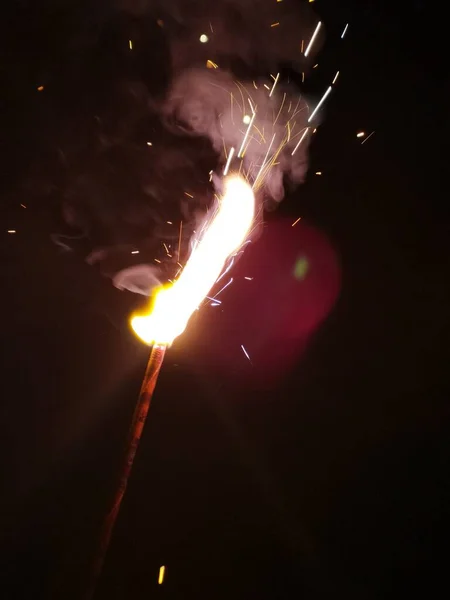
<point x="335" y="482"/>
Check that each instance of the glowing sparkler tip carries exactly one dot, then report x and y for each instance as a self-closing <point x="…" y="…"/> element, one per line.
<point x="204" y="38"/>
<point x="246" y="119"/>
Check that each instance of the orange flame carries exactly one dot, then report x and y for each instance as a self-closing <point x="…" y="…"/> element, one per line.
<point x="227" y="231"/>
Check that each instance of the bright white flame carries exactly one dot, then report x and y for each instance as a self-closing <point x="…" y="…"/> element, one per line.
<point x="203" y="38"/>
<point x="227" y="231"/>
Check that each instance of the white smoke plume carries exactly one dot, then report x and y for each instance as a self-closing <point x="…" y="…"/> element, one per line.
<point x="265" y="121"/>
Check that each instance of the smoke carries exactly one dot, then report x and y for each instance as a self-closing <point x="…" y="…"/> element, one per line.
<point x="150" y="122"/>
<point x="263" y="123"/>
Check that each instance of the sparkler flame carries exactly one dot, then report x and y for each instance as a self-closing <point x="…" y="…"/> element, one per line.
<point x="226" y="232"/>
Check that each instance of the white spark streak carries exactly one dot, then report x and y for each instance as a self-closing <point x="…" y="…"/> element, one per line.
<point x="230" y="156"/>
<point x="314" y="35"/>
<point x="221" y="290"/>
<point x="369" y="136"/>
<point x="274" y="84"/>
<point x="245" y="352"/>
<point x="324" y="97"/>
<point x="344" y="32"/>
<point x="300" y="141"/>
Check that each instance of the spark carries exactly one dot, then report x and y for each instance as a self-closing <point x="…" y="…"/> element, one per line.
<point x="203" y="38"/>
<point x="169" y="222"/>
<point x="369" y="136"/>
<point x="266" y="86"/>
<point x="230" y="156"/>
<point x="344" y="32"/>
<point x="314" y="35"/>
<point x="156" y="260"/>
<point x="360" y="134"/>
<point x="162" y="571"/>
<point x="189" y="195"/>
<point x="213" y="300"/>
<point x="226" y="231"/>
<point x="316" y="65"/>
<point x="211" y="27"/>
<point x="300" y="141"/>
<point x="11" y="231"/>
<point x="149" y="144"/>
<point x="130" y="43"/>
<point x="215" y="303"/>
<point x="265" y="159"/>
<point x="135" y="252"/>
<point x="274" y="84"/>
<point x="255" y="86"/>
<point x="318" y="172"/>
<point x="295" y="222"/>
<point x="224" y="288"/>
<point x="249" y="278"/>
<point x="23" y="205"/>
<point x="245" y="352"/>
<point x="166" y="248"/>
<point x="246" y="119"/>
<point x="303" y="77"/>
<point x="281" y="108"/>
<point x="275" y="24"/>
<point x="40" y="88"/>
<point x="246" y="135"/>
<point x="302" y="46"/>
<point x="335" y="78"/>
<point x="322" y="100"/>
<point x="179" y="239"/>
<point x="211" y="64"/>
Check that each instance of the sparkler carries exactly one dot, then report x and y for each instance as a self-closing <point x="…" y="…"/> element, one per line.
<point x="172" y="308"/>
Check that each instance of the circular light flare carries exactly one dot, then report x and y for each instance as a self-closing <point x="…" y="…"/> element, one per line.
<point x="246" y="119"/>
<point x="204" y="38"/>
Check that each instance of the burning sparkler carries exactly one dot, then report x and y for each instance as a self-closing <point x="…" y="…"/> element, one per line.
<point x="173" y="306"/>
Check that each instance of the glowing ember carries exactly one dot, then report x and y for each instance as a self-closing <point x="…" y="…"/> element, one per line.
<point x="162" y="571"/>
<point x="227" y="231"/>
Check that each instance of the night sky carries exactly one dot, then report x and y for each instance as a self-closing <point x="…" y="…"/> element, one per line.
<point x="329" y="479"/>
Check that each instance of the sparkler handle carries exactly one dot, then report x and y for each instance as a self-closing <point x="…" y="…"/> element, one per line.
<point x="140" y="414"/>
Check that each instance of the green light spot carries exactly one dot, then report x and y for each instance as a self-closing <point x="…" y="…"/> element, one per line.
<point x="301" y="268"/>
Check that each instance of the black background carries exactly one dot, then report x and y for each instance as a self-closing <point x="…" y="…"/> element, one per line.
<point x="334" y="483"/>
